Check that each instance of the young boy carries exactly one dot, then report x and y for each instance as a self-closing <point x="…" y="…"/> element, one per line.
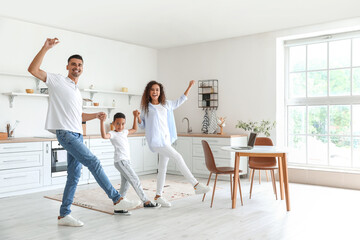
<point x="119" y="139"/>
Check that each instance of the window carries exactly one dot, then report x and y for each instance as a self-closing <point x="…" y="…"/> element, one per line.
<point x="322" y="101"/>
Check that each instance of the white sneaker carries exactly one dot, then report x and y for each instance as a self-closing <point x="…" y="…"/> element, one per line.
<point x="69" y="220"/>
<point x="201" y="189"/>
<point x="163" y="202"/>
<point x="126" y="204"/>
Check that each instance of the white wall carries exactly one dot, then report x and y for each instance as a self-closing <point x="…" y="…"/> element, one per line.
<point x="247" y="71"/>
<point x="108" y="65"/>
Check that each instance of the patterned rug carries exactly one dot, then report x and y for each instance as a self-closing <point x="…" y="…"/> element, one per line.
<point x="96" y="199"/>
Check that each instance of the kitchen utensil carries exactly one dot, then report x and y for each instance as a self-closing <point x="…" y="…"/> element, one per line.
<point x="28" y="90"/>
<point x="87" y="102"/>
<point x="44" y="90"/>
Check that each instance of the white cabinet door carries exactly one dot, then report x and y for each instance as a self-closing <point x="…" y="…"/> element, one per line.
<point x="184" y="146"/>
<point x="136" y="153"/>
<point x="150" y="158"/>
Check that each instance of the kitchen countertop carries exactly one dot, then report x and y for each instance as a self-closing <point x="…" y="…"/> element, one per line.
<point x="45" y="139"/>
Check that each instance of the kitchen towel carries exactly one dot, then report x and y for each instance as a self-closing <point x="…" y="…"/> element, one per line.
<point x="212" y="122"/>
<point x="205" y="123"/>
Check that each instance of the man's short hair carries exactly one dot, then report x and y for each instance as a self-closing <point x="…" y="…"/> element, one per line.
<point x="119" y="115"/>
<point x="77" y="56"/>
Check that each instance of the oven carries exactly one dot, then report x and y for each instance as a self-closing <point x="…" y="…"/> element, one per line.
<point x="58" y="160"/>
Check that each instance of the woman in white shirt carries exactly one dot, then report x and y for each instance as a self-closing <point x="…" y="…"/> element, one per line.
<point x="157" y="118"/>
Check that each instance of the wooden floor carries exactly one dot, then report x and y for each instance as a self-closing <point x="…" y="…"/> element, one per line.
<point x="317" y="213"/>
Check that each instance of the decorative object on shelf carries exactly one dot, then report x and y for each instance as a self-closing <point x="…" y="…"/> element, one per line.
<point x="208" y="91"/>
<point x="28" y="90"/>
<point x="263" y="126"/>
<point x="91" y="86"/>
<point x="44" y="90"/>
<point x="221" y="124"/>
<point x="124" y="89"/>
<point x="113" y="103"/>
<point x="205" y="123"/>
<point x="96" y="104"/>
<point x="212" y="122"/>
<point x="87" y="102"/>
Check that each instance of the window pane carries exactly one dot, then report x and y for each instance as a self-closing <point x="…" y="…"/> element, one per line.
<point x="317" y="120"/>
<point x="356" y="52"/>
<point x="297" y="58"/>
<point x="297" y="85"/>
<point x="339" y="53"/>
<point x="317" y="56"/>
<point x="317" y="84"/>
<point x="356" y="152"/>
<point x="340" y="119"/>
<point x="339" y="82"/>
<point x="318" y="150"/>
<point x="297" y="120"/>
<point x="356" y="81"/>
<point x="356" y="119"/>
<point x="297" y="147"/>
<point x="340" y="152"/>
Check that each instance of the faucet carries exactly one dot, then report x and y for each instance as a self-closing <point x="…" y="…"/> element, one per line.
<point x="189" y="130"/>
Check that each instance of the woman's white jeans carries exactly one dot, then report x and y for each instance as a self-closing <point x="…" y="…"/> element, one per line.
<point x="165" y="153"/>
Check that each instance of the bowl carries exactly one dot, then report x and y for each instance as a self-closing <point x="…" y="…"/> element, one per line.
<point x="124" y="89"/>
<point x="29" y="90"/>
<point x="96" y="104"/>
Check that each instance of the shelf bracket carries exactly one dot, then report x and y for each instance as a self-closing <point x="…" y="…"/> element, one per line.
<point x="37" y="81"/>
<point x="109" y="111"/>
<point x="92" y="95"/>
<point x="129" y="99"/>
<point x="11" y="101"/>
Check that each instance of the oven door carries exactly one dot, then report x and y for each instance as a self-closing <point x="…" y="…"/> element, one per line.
<point x="58" y="162"/>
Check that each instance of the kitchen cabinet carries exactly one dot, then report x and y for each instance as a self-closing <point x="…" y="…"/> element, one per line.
<point x="191" y="150"/>
<point x="184" y="146"/>
<point x="143" y="160"/>
<point x="22" y="166"/>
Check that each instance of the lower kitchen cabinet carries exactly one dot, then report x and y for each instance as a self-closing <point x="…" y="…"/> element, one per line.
<point x="143" y="160"/>
<point x="184" y="146"/>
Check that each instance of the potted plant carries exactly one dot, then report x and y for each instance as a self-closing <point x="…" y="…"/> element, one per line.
<point x="257" y="127"/>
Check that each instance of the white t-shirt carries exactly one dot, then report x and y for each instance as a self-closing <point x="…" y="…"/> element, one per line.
<point x="121" y="145"/>
<point x="65" y="104"/>
<point x="163" y="123"/>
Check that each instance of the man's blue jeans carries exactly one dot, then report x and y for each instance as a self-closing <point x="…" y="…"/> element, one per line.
<point x="77" y="155"/>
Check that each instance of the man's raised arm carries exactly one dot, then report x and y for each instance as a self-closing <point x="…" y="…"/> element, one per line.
<point x="34" y="67"/>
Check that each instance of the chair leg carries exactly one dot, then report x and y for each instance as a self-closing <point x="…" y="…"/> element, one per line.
<point x="242" y="204"/>
<point x="212" y="199"/>
<point x="274" y="183"/>
<point x="231" y="188"/>
<point x="267" y="178"/>
<point x="250" y="175"/>
<point x="259" y="176"/>
<point x="207" y="185"/>
<point x="252" y="181"/>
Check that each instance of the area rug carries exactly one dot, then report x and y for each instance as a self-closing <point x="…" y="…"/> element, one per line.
<point x="96" y="199"/>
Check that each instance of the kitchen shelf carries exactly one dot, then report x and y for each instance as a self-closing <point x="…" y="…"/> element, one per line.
<point x="93" y="91"/>
<point x="208" y="91"/>
<point x="109" y="108"/>
<point x="12" y="95"/>
<point x="37" y="81"/>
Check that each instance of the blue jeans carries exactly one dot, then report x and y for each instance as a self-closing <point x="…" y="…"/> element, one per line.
<point x="77" y="155"/>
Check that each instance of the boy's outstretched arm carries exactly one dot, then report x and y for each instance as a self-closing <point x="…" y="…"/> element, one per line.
<point x="135" y="124"/>
<point x="104" y="135"/>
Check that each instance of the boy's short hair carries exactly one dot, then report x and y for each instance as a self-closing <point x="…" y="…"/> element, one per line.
<point x="119" y="115"/>
<point x="76" y="56"/>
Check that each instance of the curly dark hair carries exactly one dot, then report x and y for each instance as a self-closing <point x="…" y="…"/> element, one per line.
<point x="146" y="96"/>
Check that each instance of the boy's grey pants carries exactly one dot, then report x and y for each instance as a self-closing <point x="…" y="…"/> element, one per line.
<point x="128" y="176"/>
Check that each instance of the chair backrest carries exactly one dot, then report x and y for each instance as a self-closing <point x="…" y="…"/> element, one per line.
<point x="255" y="162"/>
<point x="209" y="157"/>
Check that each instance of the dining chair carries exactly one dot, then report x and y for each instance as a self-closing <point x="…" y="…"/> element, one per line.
<point x="263" y="163"/>
<point x="211" y="166"/>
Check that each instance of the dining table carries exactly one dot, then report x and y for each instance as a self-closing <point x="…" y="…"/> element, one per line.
<point x="279" y="153"/>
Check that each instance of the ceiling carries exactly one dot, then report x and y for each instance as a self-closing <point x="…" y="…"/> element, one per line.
<point x="170" y="23"/>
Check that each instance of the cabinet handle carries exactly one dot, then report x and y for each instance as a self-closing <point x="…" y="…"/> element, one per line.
<point x="15" y="177"/>
<point x="17" y="160"/>
<point x="14" y="147"/>
<point x="47" y="148"/>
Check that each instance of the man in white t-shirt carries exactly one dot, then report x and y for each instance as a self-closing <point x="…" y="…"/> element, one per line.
<point x="64" y="118"/>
